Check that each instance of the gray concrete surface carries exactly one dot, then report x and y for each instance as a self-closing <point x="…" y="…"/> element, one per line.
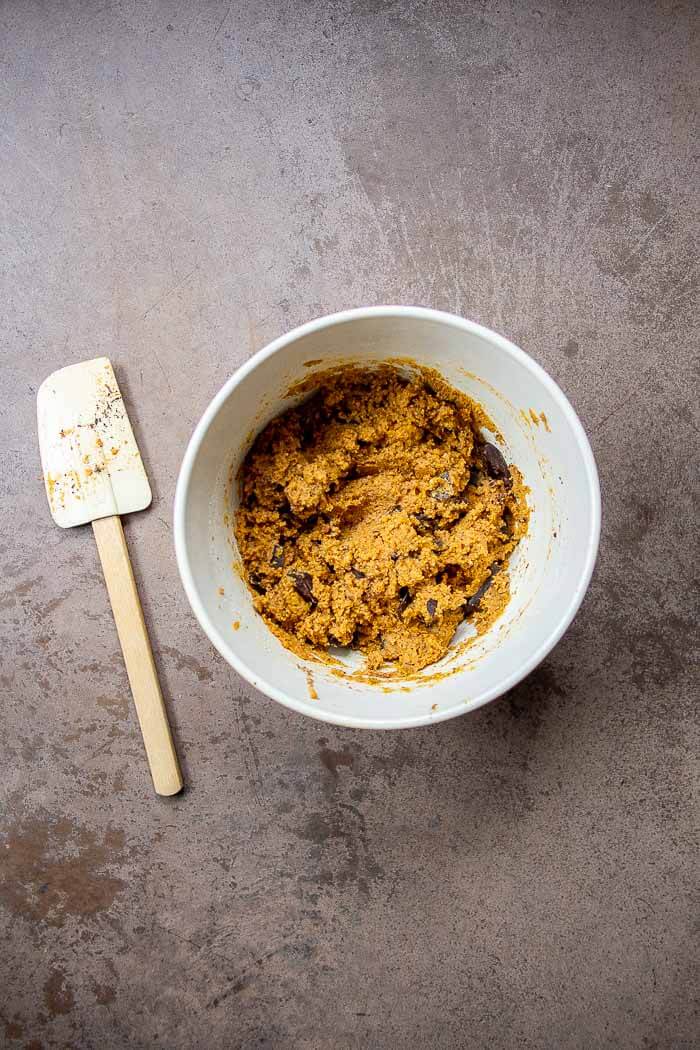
<point x="181" y="182"/>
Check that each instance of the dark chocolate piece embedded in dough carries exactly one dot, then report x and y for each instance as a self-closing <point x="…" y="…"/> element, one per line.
<point x="303" y="584"/>
<point x="496" y="466"/>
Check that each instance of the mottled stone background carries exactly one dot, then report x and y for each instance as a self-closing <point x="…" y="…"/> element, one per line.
<point x="181" y="182"/>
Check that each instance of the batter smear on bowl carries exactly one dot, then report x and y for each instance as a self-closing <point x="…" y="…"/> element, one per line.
<point x="375" y="516"/>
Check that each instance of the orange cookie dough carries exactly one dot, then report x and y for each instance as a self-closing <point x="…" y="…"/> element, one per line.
<point x="374" y="515"/>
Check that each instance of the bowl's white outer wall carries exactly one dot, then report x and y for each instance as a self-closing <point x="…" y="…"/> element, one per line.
<point x="549" y="574"/>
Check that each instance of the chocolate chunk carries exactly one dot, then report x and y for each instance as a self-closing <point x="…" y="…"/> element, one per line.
<point x="277" y="559"/>
<point x="303" y="584"/>
<point x="496" y="466"/>
<point x="357" y="574"/>
<point x="284" y="509"/>
<point x="405" y="598"/>
<point x="431" y="606"/>
<point x="474" y="602"/>
<point x="313" y="414"/>
<point x="255" y="582"/>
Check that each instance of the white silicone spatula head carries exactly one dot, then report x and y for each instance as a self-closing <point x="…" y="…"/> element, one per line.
<point x="91" y="463"/>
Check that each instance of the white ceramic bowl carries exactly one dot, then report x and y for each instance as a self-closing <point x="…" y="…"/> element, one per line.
<point x="549" y="571"/>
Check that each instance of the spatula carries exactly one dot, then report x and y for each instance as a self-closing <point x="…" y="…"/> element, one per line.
<point x="93" y="472"/>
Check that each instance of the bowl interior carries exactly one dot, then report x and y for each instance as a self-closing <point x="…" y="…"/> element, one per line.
<point x="549" y="570"/>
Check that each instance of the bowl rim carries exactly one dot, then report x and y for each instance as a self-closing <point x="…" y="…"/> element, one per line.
<point x="341" y="317"/>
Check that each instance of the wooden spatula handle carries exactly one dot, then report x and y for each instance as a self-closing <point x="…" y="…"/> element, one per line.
<point x="138" y="657"/>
